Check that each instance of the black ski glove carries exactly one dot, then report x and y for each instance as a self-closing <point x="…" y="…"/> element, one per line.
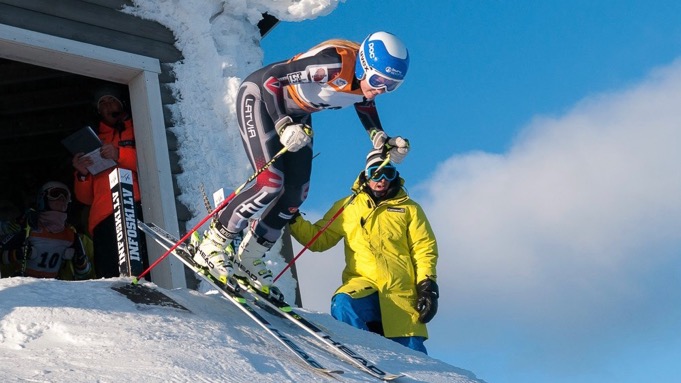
<point x="80" y="260"/>
<point x="426" y="304"/>
<point x="32" y="218"/>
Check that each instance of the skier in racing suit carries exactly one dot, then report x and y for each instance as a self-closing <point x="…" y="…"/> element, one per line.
<point x="274" y="107"/>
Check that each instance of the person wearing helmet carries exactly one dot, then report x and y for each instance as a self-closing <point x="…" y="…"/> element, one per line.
<point x="45" y="242"/>
<point x="274" y="108"/>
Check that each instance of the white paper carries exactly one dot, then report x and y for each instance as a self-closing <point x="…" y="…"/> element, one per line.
<point x="99" y="163"/>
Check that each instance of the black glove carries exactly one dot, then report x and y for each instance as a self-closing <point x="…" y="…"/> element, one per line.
<point x="426" y="304"/>
<point x="80" y="260"/>
<point x="32" y="217"/>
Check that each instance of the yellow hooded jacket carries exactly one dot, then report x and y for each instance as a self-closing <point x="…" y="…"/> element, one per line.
<point x="389" y="248"/>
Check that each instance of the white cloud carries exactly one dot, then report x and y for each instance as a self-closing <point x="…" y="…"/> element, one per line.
<point x="562" y="235"/>
<point x="560" y="244"/>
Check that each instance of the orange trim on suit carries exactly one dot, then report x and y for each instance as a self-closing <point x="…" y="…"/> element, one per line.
<point x="347" y="73"/>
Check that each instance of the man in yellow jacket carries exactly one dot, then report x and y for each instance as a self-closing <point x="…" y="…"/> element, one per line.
<point x="390" y="256"/>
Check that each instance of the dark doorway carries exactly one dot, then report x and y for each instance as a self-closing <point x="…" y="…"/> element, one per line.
<point x="38" y="108"/>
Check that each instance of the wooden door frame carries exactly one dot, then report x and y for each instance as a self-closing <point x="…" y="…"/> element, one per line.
<point x="140" y="74"/>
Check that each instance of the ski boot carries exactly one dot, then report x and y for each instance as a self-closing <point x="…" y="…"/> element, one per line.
<point x="251" y="268"/>
<point x="209" y="252"/>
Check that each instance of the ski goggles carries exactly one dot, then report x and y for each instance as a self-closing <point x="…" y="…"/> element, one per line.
<point x="378" y="81"/>
<point x="56" y="193"/>
<point x="388" y="172"/>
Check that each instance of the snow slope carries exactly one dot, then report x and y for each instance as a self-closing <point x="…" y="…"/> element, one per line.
<point x="57" y="331"/>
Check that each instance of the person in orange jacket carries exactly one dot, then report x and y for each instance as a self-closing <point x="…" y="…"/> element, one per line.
<point x="117" y="134"/>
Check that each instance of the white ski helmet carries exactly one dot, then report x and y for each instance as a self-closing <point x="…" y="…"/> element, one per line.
<point x="383" y="60"/>
<point x="51" y="191"/>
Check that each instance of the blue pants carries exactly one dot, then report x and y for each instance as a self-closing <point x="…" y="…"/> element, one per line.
<point x="365" y="313"/>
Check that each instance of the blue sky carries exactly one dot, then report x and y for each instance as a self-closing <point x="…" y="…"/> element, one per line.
<point x="481" y="70"/>
<point x="545" y="151"/>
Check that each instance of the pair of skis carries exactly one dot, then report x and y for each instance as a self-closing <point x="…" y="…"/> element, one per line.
<point x="236" y="291"/>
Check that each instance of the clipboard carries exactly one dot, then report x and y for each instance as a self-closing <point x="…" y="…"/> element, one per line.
<point x="86" y="141"/>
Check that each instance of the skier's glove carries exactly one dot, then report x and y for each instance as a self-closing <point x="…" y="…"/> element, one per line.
<point x="32" y="218"/>
<point x="426" y="305"/>
<point x="378" y="138"/>
<point x="399" y="147"/>
<point x="295" y="136"/>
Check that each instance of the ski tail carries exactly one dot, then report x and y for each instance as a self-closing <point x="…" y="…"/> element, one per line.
<point x="231" y="291"/>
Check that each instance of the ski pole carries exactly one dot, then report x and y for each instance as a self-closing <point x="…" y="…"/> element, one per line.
<point x="221" y="206"/>
<point x="319" y="233"/>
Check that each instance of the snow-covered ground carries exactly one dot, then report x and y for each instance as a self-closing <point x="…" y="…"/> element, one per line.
<point x="58" y="331"/>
